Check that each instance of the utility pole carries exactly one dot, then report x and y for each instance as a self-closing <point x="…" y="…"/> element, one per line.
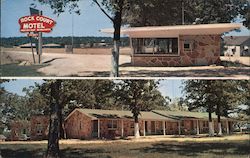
<point x="40" y="43"/>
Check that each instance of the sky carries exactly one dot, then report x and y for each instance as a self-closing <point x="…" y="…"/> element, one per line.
<point x="171" y="88"/>
<point x="88" y="23"/>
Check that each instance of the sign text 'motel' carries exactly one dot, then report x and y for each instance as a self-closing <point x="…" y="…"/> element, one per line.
<point x="36" y="23"/>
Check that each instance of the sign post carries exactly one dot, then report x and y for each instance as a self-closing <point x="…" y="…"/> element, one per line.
<point x="40" y="43"/>
<point x="36" y="23"/>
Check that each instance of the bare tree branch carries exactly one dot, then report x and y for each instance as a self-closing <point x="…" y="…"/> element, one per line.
<point x="98" y="4"/>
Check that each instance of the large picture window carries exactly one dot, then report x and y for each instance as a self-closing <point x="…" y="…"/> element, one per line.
<point x="167" y="46"/>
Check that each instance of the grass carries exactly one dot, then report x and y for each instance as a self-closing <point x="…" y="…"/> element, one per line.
<point x="8" y="70"/>
<point x="162" y="149"/>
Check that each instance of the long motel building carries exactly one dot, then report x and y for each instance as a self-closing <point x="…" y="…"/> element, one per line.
<point x="109" y="124"/>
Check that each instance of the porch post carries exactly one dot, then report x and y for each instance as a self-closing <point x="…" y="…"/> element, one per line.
<point x="227" y="122"/>
<point x="164" y="128"/>
<point x="122" y="129"/>
<point x="144" y="128"/>
<point x="179" y="127"/>
<point x="98" y="129"/>
<point x="197" y="127"/>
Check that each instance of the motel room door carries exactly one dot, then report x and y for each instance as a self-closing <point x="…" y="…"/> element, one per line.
<point x="95" y="128"/>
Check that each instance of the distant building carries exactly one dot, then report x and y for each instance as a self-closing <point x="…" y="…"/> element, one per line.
<point x="237" y="46"/>
<point x="35" y="129"/>
<point x="52" y="45"/>
<point x="39" y="127"/>
<point x="27" y="45"/>
<point x="20" y="130"/>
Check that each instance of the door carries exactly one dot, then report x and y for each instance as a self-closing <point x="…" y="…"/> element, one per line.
<point x="95" y="129"/>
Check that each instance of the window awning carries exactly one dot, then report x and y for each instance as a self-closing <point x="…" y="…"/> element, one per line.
<point x="175" y="31"/>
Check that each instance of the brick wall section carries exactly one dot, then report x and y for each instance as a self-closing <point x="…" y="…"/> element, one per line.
<point x="206" y="52"/>
<point x="78" y="126"/>
<point x="41" y="124"/>
<point x="18" y="128"/>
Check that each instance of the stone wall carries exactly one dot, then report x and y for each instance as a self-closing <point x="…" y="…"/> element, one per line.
<point x="206" y="51"/>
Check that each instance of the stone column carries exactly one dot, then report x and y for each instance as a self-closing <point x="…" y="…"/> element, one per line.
<point x="144" y="129"/>
<point x="179" y="127"/>
<point x="98" y="128"/>
<point x="227" y="122"/>
<point x="164" y="128"/>
<point x="197" y="127"/>
<point x="122" y="129"/>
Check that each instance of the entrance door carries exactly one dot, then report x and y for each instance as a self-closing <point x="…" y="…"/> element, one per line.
<point x="146" y="127"/>
<point x="95" y="129"/>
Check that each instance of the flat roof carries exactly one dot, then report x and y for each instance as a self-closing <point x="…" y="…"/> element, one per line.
<point x="173" y="31"/>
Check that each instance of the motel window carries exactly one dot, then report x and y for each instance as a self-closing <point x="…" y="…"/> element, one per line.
<point x="188" y="46"/>
<point x="39" y="129"/>
<point x="132" y="125"/>
<point x="112" y="124"/>
<point x="167" y="46"/>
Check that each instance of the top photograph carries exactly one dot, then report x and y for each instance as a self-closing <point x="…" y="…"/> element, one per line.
<point x="125" y="38"/>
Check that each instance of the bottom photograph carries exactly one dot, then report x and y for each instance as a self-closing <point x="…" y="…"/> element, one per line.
<point x="124" y="118"/>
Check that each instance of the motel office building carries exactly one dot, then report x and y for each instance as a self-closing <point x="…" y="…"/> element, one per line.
<point x="109" y="124"/>
<point x="183" y="45"/>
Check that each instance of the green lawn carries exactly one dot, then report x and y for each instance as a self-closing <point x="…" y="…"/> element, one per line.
<point x="163" y="149"/>
<point x="20" y="71"/>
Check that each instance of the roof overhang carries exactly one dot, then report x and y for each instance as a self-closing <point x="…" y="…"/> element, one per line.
<point x="175" y="31"/>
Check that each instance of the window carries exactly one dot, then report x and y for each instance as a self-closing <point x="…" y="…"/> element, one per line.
<point x="112" y="124"/>
<point x="39" y="129"/>
<point x="24" y="131"/>
<point x="188" y="46"/>
<point x="132" y="125"/>
<point x="80" y="125"/>
<point x="167" y="46"/>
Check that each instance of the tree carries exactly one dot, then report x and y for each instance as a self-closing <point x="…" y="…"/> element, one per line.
<point x="115" y="7"/>
<point x="198" y="94"/>
<point x="54" y="126"/>
<point x="220" y="96"/>
<point x="136" y="94"/>
<point x="165" y="12"/>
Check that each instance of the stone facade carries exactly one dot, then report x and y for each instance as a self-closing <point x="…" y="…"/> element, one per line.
<point x="206" y="51"/>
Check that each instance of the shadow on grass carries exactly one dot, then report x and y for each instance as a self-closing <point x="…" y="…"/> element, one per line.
<point x="22" y="153"/>
<point x="198" y="149"/>
<point x="20" y="71"/>
<point x="83" y="153"/>
<point x="233" y="64"/>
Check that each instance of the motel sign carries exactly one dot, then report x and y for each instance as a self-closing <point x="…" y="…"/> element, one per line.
<point x="36" y="23"/>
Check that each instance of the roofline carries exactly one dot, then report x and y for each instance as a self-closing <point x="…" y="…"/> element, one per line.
<point x="162" y="28"/>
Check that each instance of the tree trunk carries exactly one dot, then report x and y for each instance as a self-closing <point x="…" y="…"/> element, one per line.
<point x="210" y="125"/>
<point x="137" y="131"/>
<point x="117" y="22"/>
<point x="115" y="59"/>
<point x="54" y="128"/>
